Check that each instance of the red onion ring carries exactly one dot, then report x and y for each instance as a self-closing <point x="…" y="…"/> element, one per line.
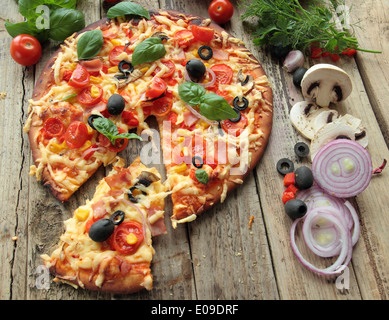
<point x="344" y="257"/>
<point x="198" y="115"/>
<point x="203" y="84"/>
<point x="342" y="168"/>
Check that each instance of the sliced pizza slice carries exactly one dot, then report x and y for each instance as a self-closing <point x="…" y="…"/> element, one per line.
<point x="107" y="244"/>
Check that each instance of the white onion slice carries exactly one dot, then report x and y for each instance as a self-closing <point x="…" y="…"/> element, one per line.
<point x="342" y="168"/>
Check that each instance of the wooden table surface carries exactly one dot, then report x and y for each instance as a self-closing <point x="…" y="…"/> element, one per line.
<point x="217" y="256"/>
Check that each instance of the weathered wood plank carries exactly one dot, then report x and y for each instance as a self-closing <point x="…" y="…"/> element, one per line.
<point x="372" y="20"/>
<point x="16" y="83"/>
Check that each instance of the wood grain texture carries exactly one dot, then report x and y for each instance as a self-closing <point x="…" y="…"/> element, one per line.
<point x="217" y="256"/>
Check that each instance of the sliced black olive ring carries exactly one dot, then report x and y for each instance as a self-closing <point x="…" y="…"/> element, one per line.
<point x="125" y="67"/>
<point x="240" y="104"/>
<point x="117" y="214"/>
<point x="207" y="56"/>
<point x="198" y="162"/>
<point x="91" y="118"/>
<point x="285" y="166"/>
<point x="301" y="149"/>
<point x="131" y="196"/>
<point x="237" y="119"/>
<point x="102" y="229"/>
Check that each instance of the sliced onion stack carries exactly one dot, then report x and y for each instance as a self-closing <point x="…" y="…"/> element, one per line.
<point x="342" y="168"/>
<point x="330" y="228"/>
<point x="340" y="244"/>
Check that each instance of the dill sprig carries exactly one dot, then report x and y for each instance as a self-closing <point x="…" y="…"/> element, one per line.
<point x="289" y="23"/>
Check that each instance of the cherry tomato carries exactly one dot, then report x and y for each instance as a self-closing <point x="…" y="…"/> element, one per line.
<point x="172" y="117"/>
<point x="223" y="73"/>
<point x="171" y="69"/>
<point x="220" y="11"/>
<point x="129" y="230"/>
<point x="184" y="38"/>
<point x="80" y="77"/>
<point x="76" y="135"/>
<point x="120" y="144"/>
<point x="25" y="50"/>
<point x="203" y="34"/>
<point x="130" y="119"/>
<point x="85" y="96"/>
<point x="156" y="89"/>
<point x="67" y="74"/>
<point x="54" y="127"/>
<point x="115" y="52"/>
<point x="162" y="106"/>
<point x="235" y="127"/>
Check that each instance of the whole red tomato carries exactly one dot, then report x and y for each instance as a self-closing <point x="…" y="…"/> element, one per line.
<point x="220" y="11"/>
<point x="25" y="49"/>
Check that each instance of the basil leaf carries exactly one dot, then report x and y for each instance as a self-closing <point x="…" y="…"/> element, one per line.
<point x="128" y="135"/>
<point x="27" y="8"/>
<point x="110" y="130"/>
<point x="148" y="50"/>
<point x="215" y="107"/>
<point x="191" y="93"/>
<point x="127" y="8"/>
<point x="14" y="29"/>
<point x="64" y="22"/>
<point x="202" y="176"/>
<point x="90" y="44"/>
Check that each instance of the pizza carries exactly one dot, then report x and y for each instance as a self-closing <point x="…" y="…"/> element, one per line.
<point x="107" y="243"/>
<point x="210" y="96"/>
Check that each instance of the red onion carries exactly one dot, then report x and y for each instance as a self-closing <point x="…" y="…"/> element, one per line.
<point x="341" y="245"/>
<point x="198" y="115"/>
<point x="342" y="168"/>
<point x="203" y="84"/>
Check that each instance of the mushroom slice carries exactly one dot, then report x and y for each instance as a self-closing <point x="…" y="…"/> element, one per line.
<point x="123" y="80"/>
<point x="247" y="82"/>
<point x="360" y="131"/>
<point x="160" y="34"/>
<point x="328" y="133"/>
<point x="146" y="178"/>
<point x="325" y="84"/>
<point x="307" y="117"/>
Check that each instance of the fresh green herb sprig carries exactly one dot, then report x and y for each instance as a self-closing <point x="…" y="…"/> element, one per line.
<point x="60" y="21"/>
<point x="212" y="106"/>
<point x="110" y="130"/>
<point x="286" y="23"/>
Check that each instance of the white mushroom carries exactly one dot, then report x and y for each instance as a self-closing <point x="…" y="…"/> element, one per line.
<point x="325" y="84"/>
<point x="360" y="132"/>
<point x="329" y="132"/>
<point x="307" y="117"/>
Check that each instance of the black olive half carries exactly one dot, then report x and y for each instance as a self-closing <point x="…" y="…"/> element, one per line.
<point x="285" y="166"/>
<point x="303" y="178"/>
<point x="198" y="162"/>
<point x="196" y="69"/>
<point x="240" y="104"/>
<point x="298" y="76"/>
<point x="102" y="229"/>
<point x="91" y="118"/>
<point x="116" y="104"/>
<point x="295" y="208"/>
<point x="125" y="67"/>
<point x="301" y="149"/>
<point x="208" y="52"/>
